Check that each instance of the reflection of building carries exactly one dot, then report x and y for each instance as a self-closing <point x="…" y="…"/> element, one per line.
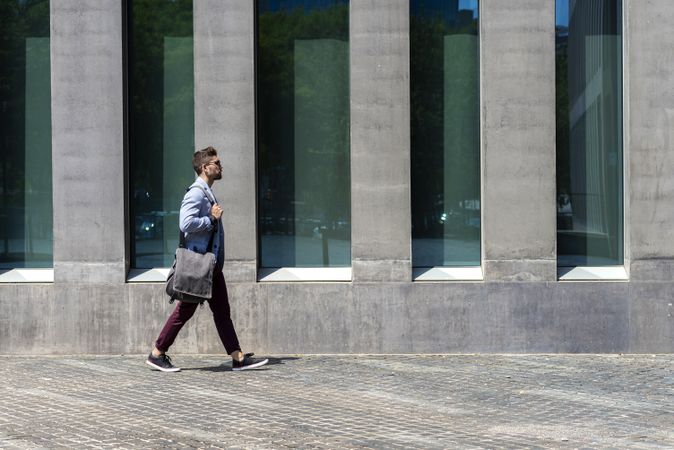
<point x="453" y="12"/>
<point x="594" y="153"/>
<point x="514" y="301"/>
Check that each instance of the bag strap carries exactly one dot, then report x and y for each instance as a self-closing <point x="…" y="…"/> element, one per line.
<point x="181" y="240"/>
<point x="211" y="200"/>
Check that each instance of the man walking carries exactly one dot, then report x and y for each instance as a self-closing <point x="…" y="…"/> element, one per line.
<point x="199" y="214"/>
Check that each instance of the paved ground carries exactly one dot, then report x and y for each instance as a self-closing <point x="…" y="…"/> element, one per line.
<point x="454" y="401"/>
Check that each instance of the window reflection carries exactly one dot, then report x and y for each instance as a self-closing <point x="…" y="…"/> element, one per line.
<point x="303" y="133"/>
<point x="589" y="132"/>
<point x="444" y="69"/>
<point x="25" y="136"/>
<point x="161" y="124"/>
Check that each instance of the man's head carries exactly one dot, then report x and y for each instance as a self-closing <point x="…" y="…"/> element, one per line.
<point x="207" y="164"/>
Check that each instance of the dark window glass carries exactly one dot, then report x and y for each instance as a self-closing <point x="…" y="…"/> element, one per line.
<point x="25" y="136"/>
<point x="589" y="133"/>
<point x="303" y="133"/>
<point x="445" y="127"/>
<point x="161" y="124"/>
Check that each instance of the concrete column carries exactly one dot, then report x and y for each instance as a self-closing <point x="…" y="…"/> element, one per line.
<point x="649" y="155"/>
<point x="87" y="98"/>
<point x="224" y="84"/>
<point x="518" y="140"/>
<point x="380" y="140"/>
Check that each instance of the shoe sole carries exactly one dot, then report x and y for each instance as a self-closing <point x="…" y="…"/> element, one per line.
<point x="251" y="366"/>
<point x="163" y="369"/>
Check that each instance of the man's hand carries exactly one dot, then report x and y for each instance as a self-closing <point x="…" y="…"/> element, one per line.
<point x="216" y="212"/>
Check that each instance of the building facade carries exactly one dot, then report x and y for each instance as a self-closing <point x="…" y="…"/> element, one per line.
<point x="398" y="175"/>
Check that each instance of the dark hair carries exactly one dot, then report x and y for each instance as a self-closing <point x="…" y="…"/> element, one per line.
<point x="201" y="157"/>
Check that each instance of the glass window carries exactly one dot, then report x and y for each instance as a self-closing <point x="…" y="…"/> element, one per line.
<point x="161" y="124"/>
<point x="304" y="190"/>
<point x="445" y="131"/>
<point x="589" y="133"/>
<point x="25" y="136"/>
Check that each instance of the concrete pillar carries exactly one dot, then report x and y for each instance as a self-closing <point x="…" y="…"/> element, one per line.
<point x="87" y="75"/>
<point x="649" y="155"/>
<point x="380" y="140"/>
<point x="224" y="36"/>
<point x="518" y="140"/>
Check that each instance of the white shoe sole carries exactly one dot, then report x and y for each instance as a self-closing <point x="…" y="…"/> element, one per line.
<point x="154" y="366"/>
<point x="252" y="366"/>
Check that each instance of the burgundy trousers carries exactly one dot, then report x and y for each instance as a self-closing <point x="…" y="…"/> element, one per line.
<point x="219" y="305"/>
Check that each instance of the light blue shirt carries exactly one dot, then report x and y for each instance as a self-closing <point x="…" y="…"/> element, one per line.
<point x="196" y="223"/>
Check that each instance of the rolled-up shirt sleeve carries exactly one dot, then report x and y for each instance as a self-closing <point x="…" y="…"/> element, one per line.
<point x="190" y="221"/>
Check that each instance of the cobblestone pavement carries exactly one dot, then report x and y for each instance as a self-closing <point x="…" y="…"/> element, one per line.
<point x="452" y="401"/>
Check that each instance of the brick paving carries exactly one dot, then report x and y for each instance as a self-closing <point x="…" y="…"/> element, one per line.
<point x="399" y="401"/>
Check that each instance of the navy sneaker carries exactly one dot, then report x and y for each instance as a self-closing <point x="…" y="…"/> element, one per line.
<point x="162" y="363"/>
<point x="248" y="362"/>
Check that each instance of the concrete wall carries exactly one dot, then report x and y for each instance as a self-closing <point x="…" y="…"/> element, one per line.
<point x="380" y="141"/>
<point x="87" y="73"/>
<point x="224" y="102"/>
<point x="650" y="139"/>
<point x="520" y="307"/>
<point x="518" y="140"/>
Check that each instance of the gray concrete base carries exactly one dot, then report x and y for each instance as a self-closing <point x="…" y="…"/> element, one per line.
<point x="87" y="272"/>
<point x="652" y="270"/>
<point x="240" y="271"/>
<point x="350" y="318"/>
<point x="520" y="270"/>
<point x="388" y="270"/>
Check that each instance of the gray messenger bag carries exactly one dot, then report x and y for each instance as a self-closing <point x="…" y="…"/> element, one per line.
<point x="191" y="276"/>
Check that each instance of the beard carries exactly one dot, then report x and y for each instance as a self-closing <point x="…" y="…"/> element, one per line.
<point x="218" y="176"/>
